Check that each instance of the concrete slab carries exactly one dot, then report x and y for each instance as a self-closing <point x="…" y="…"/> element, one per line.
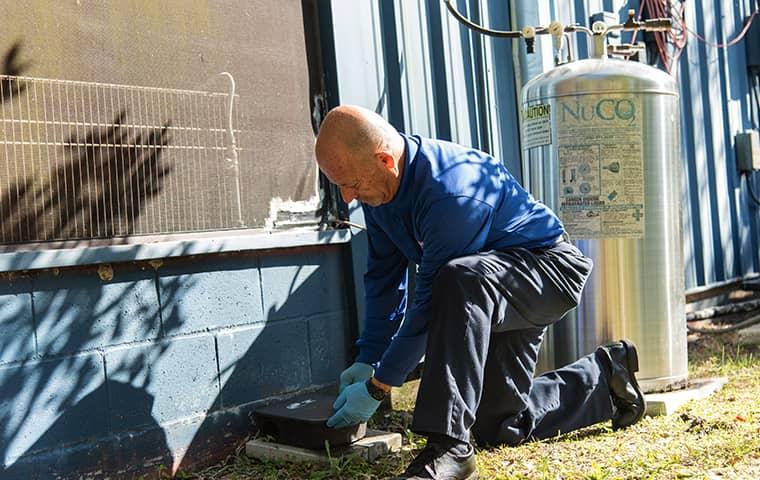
<point x="668" y="402"/>
<point x="373" y="446"/>
<point x="750" y="335"/>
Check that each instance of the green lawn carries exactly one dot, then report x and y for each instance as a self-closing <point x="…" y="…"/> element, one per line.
<point x="716" y="438"/>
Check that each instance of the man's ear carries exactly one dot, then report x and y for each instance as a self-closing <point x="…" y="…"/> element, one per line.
<point x="387" y="160"/>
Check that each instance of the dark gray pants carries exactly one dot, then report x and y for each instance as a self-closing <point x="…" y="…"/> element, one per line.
<point x="490" y="311"/>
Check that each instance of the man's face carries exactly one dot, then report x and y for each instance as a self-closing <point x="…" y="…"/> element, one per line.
<point x="365" y="178"/>
<point x="361" y="182"/>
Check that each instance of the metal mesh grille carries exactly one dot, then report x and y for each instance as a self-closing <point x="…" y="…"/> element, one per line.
<point x="81" y="160"/>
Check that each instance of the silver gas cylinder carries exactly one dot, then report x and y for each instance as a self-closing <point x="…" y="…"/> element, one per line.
<point x="601" y="147"/>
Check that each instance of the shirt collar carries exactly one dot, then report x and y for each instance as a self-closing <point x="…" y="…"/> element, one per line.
<point x="411" y="149"/>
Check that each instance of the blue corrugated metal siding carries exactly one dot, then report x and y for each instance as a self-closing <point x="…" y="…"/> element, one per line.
<point x="457" y="84"/>
<point x="453" y="83"/>
<point x="721" y="232"/>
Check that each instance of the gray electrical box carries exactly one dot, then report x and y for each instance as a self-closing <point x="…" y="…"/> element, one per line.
<point x="748" y="151"/>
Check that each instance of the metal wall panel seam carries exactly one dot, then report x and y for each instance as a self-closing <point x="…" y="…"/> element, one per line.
<point x="482" y="92"/>
<point x="701" y="187"/>
<point x="406" y="61"/>
<point x="380" y="107"/>
<point x="468" y="54"/>
<point x="456" y="78"/>
<point x="733" y="116"/>
<point x="352" y="22"/>
<point x="506" y="109"/>
<point x="427" y="69"/>
<point x="489" y="84"/>
<point x="732" y="124"/>
<point x="693" y="263"/>
<point x="415" y="77"/>
<point x="438" y="65"/>
<point x="392" y="65"/>
<point x="581" y="17"/>
<point x="715" y="124"/>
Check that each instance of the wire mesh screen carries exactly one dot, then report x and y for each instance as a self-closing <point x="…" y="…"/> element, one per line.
<point x="115" y="118"/>
<point x="91" y="160"/>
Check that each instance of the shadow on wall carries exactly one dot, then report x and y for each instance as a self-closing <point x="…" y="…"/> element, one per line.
<point x="303" y="343"/>
<point x="108" y="453"/>
<point x="130" y="368"/>
<point x="103" y="169"/>
<point x="167" y="402"/>
<point x="12" y="67"/>
<point x="86" y="381"/>
<point x="53" y="389"/>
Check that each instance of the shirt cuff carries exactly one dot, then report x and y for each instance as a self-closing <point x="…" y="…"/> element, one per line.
<point x="390" y="376"/>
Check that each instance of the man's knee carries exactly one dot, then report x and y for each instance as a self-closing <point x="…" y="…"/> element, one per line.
<point x="455" y="281"/>
<point x="457" y="296"/>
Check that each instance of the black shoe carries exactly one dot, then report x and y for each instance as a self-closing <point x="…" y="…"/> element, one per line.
<point x="627" y="397"/>
<point x="437" y="462"/>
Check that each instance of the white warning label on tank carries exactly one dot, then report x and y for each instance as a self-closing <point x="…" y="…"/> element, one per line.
<point x="536" y="126"/>
<point x="601" y="165"/>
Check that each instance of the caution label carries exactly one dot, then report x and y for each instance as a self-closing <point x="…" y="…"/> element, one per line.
<point x="536" y="126"/>
<point x="601" y="166"/>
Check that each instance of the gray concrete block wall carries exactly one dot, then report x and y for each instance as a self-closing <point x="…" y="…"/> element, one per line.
<point x="158" y="361"/>
<point x="180" y="374"/>
<point x="16" y="321"/>
<point x="34" y="394"/>
<point x="323" y="339"/>
<point x="80" y="311"/>
<point x="263" y="360"/>
<point x="290" y="289"/>
<point x="189" y="296"/>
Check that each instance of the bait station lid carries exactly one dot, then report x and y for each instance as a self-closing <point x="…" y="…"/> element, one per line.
<point x="301" y="422"/>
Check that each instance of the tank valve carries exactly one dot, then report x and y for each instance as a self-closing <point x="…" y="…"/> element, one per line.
<point x="557" y="31"/>
<point x="600" y="40"/>
<point x="651" y="25"/>
<point x="625" y="49"/>
<point x="529" y="34"/>
<point x="599" y="28"/>
<point x="658" y="25"/>
<point x="631" y="24"/>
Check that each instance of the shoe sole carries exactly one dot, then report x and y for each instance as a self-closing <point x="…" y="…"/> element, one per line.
<point x="632" y="360"/>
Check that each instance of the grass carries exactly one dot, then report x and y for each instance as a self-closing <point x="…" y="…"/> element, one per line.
<point x="716" y="438"/>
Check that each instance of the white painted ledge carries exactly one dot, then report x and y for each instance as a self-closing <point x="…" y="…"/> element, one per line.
<point x="71" y="253"/>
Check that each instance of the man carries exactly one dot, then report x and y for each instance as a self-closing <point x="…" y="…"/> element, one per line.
<point x="493" y="272"/>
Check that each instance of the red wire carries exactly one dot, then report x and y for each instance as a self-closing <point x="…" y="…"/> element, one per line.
<point x="638" y="16"/>
<point x="654" y="7"/>
<point x="659" y="8"/>
<point x="729" y="44"/>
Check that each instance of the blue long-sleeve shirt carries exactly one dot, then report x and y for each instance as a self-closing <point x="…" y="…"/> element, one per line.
<point x="452" y="201"/>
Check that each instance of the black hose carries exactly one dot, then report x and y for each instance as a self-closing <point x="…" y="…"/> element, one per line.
<point x="474" y="26"/>
<point x="732" y="308"/>
<point x="737" y="326"/>
<point x="711" y="312"/>
<point x="750" y="189"/>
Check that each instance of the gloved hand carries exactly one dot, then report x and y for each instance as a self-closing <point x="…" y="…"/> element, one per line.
<point x="358" y="372"/>
<point x="354" y="405"/>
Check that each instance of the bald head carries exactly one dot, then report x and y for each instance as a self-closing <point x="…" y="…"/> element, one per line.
<point x="357" y="147"/>
<point x="352" y="134"/>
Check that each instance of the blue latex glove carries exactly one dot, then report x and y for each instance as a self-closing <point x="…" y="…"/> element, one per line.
<point x="354" y="405"/>
<point x="358" y="372"/>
